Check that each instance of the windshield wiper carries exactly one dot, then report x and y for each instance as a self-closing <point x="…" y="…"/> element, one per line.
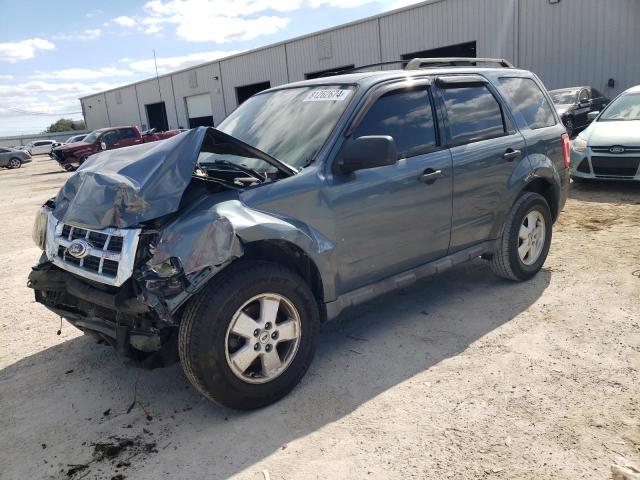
<point x="249" y="171"/>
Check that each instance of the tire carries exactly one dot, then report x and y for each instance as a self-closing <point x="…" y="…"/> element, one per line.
<point x="570" y="126"/>
<point x="207" y="343"/>
<point x="506" y="261"/>
<point x="14" y="163"/>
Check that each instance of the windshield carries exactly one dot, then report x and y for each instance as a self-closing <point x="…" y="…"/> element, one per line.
<point x="92" y="136"/>
<point x="564" y="97"/>
<point x="624" y="108"/>
<point x="289" y="125"/>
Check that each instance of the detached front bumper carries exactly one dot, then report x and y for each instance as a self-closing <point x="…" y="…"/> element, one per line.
<point x="112" y="314"/>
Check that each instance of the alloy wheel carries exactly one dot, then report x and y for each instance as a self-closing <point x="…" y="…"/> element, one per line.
<point x="262" y="338"/>
<point x="531" y="237"/>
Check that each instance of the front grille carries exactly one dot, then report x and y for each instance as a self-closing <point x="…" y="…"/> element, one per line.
<point x="607" y="149"/>
<point x="615" y="166"/>
<point x="104" y="255"/>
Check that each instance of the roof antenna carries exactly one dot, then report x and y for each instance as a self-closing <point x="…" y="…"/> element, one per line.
<point x="164" y="112"/>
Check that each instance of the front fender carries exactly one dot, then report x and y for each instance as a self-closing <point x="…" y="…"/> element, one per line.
<point x="196" y="238"/>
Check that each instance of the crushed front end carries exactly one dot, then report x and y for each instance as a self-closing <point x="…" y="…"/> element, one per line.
<point x="109" y="284"/>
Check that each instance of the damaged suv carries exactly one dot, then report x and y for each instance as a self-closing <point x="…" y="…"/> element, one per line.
<point x="226" y="248"/>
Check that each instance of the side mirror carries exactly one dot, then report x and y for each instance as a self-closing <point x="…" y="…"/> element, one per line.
<point x="368" y="152"/>
<point x="592" y="116"/>
<point x="103" y="145"/>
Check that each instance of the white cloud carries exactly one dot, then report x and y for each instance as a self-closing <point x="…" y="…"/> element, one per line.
<point x="24" y="49"/>
<point x="168" y="64"/>
<point x="125" y="21"/>
<point x="338" y="3"/>
<point x="82" y="73"/>
<point x="94" y="13"/>
<point x="89" y="34"/>
<point x="218" y="21"/>
<point x="6" y="77"/>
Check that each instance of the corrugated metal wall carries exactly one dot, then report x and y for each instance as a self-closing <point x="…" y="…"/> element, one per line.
<point x="266" y="65"/>
<point x="573" y="42"/>
<point x="357" y="44"/>
<point x="581" y="42"/>
<point x="123" y="106"/>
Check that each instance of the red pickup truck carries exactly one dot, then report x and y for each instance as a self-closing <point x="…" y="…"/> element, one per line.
<point x="71" y="156"/>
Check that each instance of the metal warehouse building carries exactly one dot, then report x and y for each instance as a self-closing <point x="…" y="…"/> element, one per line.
<point x="566" y="42"/>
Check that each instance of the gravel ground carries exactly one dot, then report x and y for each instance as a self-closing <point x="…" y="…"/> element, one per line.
<point x="463" y="376"/>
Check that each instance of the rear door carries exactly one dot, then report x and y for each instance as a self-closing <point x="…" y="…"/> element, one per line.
<point x="128" y="136"/>
<point x="392" y="218"/>
<point x="486" y="148"/>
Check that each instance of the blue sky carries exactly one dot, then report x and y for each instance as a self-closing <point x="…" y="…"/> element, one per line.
<point x="51" y="53"/>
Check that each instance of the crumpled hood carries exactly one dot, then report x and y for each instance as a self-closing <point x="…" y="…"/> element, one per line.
<point x="613" y="133"/>
<point x="124" y="187"/>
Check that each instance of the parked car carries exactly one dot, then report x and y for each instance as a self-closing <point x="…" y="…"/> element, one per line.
<point x="229" y="246"/>
<point x="75" y="138"/>
<point x="40" y="146"/>
<point x="13" y="158"/>
<point x="609" y="149"/>
<point x="574" y="104"/>
<point x="71" y="156"/>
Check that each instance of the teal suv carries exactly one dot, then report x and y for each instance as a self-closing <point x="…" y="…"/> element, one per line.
<point x="225" y="248"/>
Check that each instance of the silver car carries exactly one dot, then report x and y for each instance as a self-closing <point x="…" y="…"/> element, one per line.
<point x="609" y="148"/>
<point x="13" y="158"/>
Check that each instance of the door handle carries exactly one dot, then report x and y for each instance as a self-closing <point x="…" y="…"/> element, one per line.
<point x="511" y="154"/>
<point x="430" y="175"/>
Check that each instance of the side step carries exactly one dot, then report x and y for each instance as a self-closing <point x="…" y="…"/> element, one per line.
<point x="404" y="279"/>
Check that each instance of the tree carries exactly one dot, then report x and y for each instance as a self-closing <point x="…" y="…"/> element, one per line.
<point x="65" y="125"/>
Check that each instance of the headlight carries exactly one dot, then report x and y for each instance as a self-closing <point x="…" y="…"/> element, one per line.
<point x="39" y="233"/>
<point x="579" y="144"/>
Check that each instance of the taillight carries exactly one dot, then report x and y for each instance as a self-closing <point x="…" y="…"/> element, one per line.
<point x="566" y="149"/>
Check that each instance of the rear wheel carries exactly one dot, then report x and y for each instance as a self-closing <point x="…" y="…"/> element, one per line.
<point x="14" y="163"/>
<point x="526" y="239"/>
<point x="249" y="336"/>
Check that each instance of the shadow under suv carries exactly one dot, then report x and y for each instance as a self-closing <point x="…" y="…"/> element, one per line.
<point x="228" y="247"/>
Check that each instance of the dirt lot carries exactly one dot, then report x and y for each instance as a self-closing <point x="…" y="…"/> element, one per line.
<point x="463" y="376"/>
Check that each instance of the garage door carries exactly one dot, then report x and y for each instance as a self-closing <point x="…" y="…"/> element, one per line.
<point x="199" y="111"/>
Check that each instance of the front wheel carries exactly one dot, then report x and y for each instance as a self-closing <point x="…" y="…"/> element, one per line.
<point x="526" y="239"/>
<point x="14" y="163"/>
<point x="249" y="336"/>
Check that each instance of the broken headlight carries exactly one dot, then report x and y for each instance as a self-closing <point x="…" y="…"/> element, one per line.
<point x="39" y="233"/>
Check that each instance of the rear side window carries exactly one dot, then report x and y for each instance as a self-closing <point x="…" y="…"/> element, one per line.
<point x="404" y="115"/>
<point x="527" y="102"/>
<point x="128" y="133"/>
<point x="474" y="114"/>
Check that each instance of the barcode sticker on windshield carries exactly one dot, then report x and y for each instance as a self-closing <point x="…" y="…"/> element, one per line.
<point x="327" y="95"/>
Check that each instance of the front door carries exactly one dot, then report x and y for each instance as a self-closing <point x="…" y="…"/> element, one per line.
<point x="485" y="151"/>
<point x="390" y="219"/>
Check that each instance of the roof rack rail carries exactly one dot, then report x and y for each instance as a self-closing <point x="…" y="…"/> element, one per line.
<point x="418" y="63"/>
<point x="355" y="69"/>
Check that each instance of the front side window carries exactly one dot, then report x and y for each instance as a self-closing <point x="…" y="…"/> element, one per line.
<point x="291" y="125"/>
<point x="474" y="114"/>
<point x="110" y="137"/>
<point x="405" y="115"/>
<point x="527" y="102"/>
<point x="624" y="108"/>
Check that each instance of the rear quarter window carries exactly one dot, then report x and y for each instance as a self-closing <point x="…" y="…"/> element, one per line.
<point x="528" y="103"/>
<point x="473" y="114"/>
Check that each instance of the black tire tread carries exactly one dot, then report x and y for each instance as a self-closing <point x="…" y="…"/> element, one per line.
<point x="220" y="287"/>
<point x="500" y="263"/>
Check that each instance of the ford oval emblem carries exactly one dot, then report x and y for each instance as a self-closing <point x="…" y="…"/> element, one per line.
<point x="78" y="248"/>
<point x="616" y="149"/>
